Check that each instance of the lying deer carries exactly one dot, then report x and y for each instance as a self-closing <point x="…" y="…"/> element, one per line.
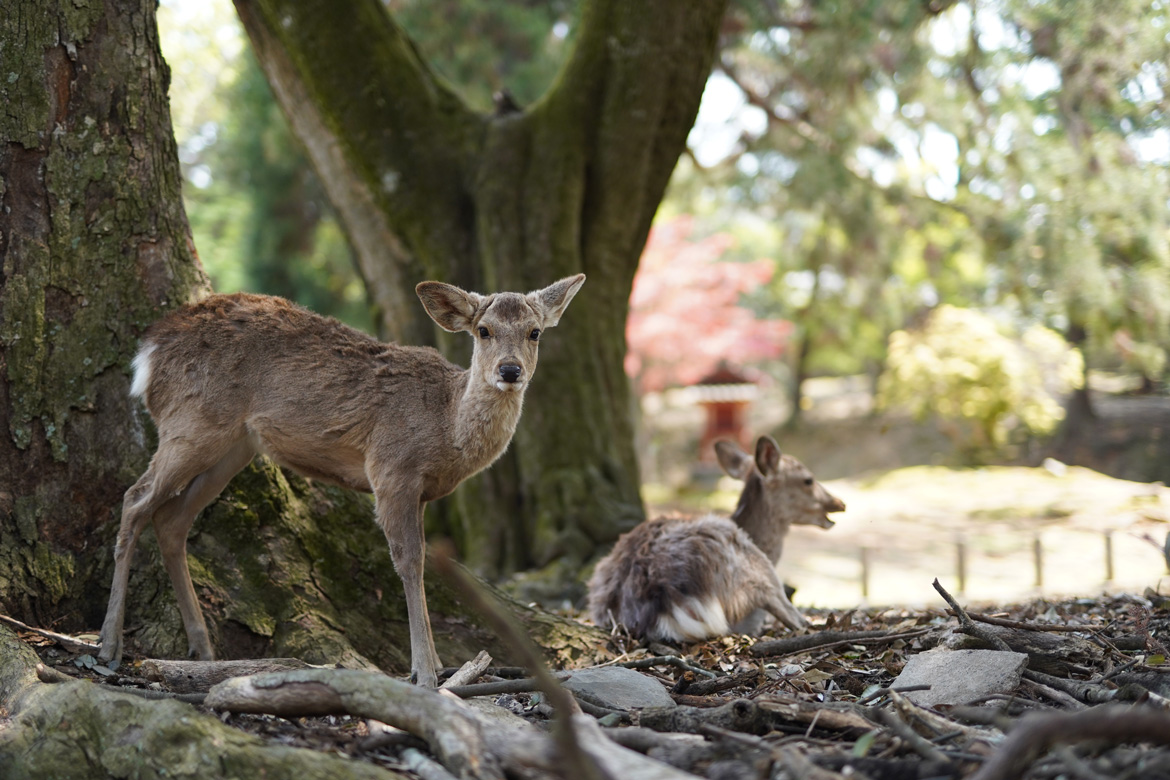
<point x="237" y="375"/>
<point x="687" y="579"/>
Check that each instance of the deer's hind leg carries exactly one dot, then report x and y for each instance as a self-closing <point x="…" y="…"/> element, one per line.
<point x="158" y="494"/>
<point x="172" y="523"/>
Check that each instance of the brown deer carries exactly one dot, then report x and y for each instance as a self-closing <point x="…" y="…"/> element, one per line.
<point x="688" y="579"/>
<point x="237" y="375"/>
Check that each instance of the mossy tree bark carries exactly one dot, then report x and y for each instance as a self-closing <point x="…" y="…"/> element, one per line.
<point x="428" y="188"/>
<point x="94" y="245"/>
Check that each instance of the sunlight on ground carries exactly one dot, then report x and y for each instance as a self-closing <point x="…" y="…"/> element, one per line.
<point x="912" y="522"/>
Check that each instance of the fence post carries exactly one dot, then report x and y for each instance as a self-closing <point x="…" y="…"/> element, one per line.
<point x="865" y="573"/>
<point x="1109" y="556"/>
<point x="961" y="563"/>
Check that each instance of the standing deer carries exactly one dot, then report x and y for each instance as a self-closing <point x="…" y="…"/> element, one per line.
<point x="237" y="375"/>
<point x="687" y="579"/>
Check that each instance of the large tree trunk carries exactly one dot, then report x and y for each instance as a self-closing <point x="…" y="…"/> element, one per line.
<point x="428" y="188"/>
<point x="94" y="245"/>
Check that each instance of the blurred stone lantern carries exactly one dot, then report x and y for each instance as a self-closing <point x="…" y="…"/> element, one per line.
<point x="725" y="395"/>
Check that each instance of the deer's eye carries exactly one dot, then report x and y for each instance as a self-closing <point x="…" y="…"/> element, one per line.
<point x="535" y="334"/>
<point x="483" y="333"/>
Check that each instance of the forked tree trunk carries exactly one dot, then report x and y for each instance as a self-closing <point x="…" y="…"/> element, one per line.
<point x="427" y="188"/>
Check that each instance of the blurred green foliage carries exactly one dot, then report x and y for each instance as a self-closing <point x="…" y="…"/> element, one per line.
<point x="988" y="385"/>
<point x="895" y="156"/>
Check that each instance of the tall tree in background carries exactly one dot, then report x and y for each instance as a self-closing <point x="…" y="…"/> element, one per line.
<point x="428" y="187"/>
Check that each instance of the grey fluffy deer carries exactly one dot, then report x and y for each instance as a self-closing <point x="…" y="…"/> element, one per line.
<point x="237" y="375"/>
<point x="688" y="579"/>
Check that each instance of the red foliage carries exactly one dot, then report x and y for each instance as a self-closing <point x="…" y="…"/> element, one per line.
<point x="685" y="313"/>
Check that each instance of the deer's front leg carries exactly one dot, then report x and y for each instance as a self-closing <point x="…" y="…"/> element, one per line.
<point x="401" y="518"/>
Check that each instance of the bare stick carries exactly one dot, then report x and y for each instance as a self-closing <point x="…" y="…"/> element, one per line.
<point x="71" y="644"/>
<point x="469" y="672"/>
<point x="1038" y="733"/>
<point x="664" y="660"/>
<point x="523" y="685"/>
<point x="825" y="640"/>
<point x="1005" y="623"/>
<point x="560" y="699"/>
<point x="919" y="744"/>
<point x="966" y="625"/>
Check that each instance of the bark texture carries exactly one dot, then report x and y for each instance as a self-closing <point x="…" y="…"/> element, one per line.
<point x="93" y="246"/>
<point x="427" y="188"/>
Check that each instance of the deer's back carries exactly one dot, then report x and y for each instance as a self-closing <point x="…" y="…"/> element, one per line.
<point x="678" y="578"/>
<point x="312" y="391"/>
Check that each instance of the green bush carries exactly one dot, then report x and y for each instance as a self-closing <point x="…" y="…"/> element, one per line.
<point x="985" y="385"/>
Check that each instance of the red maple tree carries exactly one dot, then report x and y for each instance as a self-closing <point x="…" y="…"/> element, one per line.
<point x="686" y="319"/>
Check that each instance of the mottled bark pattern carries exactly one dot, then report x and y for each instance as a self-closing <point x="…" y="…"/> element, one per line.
<point x="93" y="246"/>
<point x="507" y="202"/>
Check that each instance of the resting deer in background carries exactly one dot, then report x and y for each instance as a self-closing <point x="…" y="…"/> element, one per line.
<point x="688" y="579"/>
<point x="237" y="375"/>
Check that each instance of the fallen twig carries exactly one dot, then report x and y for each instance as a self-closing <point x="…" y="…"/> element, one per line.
<point x="1040" y="732"/>
<point x="561" y="700"/>
<point x="665" y="660"/>
<point x="1005" y="623"/>
<point x="966" y="625"/>
<point x="497" y="687"/>
<point x="71" y="644"/>
<point x="916" y="742"/>
<point x="469" y="672"/>
<point x="825" y="640"/>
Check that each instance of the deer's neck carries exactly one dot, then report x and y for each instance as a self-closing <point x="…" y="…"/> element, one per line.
<point x="754" y="515"/>
<point x="485" y="420"/>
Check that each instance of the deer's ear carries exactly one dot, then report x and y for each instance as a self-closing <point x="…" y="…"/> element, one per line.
<point x="734" y="461"/>
<point x="552" y="301"/>
<point x="453" y="309"/>
<point x="767" y="455"/>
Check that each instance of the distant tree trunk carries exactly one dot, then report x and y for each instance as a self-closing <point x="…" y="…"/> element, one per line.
<point x="427" y="188"/>
<point x="1079" y="408"/>
<point x="799" y="375"/>
<point x="94" y="245"/>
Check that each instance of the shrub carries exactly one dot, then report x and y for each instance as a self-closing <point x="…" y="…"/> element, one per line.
<point x="985" y="385"/>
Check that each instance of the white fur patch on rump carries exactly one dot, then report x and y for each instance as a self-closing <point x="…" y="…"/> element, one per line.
<point x="141" y="366"/>
<point x="693" y="620"/>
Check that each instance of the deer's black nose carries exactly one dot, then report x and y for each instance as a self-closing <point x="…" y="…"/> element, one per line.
<point x="510" y="373"/>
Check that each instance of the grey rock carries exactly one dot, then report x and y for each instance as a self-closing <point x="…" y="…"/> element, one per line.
<point x="618" y="688"/>
<point x="960" y="676"/>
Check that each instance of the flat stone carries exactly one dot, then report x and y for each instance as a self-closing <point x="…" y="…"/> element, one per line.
<point x="618" y="688"/>
<point x="960" y="676"/>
